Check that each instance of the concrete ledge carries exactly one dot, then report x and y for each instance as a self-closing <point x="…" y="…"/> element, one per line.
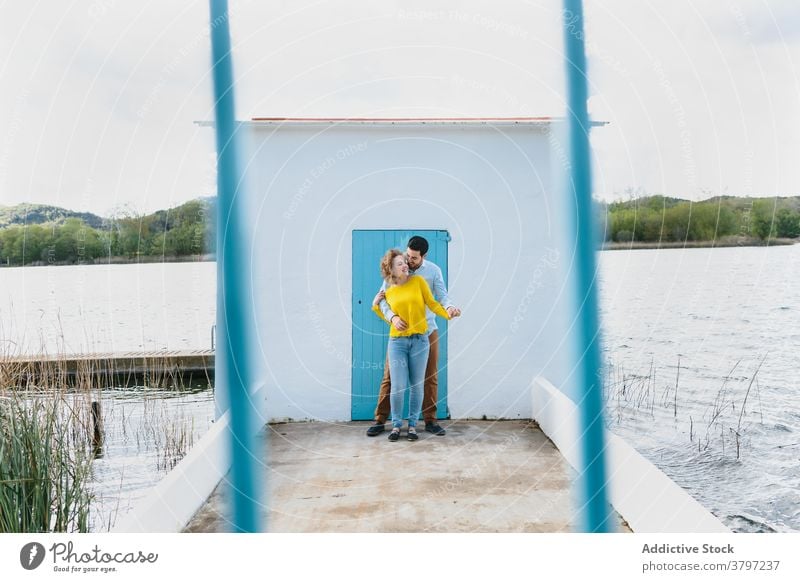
<point x="644" y="496"/>
<point x="170" y="505"/>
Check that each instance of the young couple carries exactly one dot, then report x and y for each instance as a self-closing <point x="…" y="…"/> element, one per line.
<point x="412" y="292"/>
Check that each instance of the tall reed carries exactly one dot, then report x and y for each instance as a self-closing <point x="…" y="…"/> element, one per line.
<point x="46" y="431"/>
<point x="45" y="465"/>
<point x="634" y="394"/>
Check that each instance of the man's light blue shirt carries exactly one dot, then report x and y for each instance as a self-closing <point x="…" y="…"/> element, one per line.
<point x="433" y="277"/>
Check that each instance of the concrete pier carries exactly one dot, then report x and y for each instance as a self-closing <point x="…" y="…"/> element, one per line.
<point x="482" y="476"/>
<point x="155" y="368"/>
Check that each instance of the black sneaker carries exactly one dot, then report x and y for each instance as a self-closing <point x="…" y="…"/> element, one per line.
<point x="412" y="434"/>
<point x="434" y="428"/>
<point x="394" y="435"/>
<point x="376" y="429"/>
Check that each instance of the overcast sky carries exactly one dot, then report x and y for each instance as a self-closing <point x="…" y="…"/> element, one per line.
<point x="99" y="97"/>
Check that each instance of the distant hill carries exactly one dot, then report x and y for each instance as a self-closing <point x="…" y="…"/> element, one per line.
<point x="37" y="234"/>
<point x="22" y="214"/>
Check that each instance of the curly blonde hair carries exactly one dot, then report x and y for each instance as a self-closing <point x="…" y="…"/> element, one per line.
<point x="386" y="264"/>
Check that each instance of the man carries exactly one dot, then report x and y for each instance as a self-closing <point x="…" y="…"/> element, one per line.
<point x="417" y="265"/>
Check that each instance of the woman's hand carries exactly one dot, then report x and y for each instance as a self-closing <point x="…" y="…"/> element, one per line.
<point x="379" y="297"/>
<point x="453" y="312"/>
<point x="399" y="324"/>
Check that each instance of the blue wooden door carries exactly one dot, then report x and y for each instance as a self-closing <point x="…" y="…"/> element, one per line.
<point x="370" y="332"/>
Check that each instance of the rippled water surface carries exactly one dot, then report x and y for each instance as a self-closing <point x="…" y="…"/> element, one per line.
<point x="719" y="312"/>
<point x="146" y="433"/>
<point x="120" y="308"/>
<point x="98" y="308"/>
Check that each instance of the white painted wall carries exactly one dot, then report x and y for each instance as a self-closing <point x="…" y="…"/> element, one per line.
<point x="490" y="186"/>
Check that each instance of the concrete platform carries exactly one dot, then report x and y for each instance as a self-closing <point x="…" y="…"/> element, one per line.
<point x="483" y="476"/>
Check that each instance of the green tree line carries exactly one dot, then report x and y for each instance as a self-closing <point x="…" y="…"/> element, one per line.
<point x="664" y="219"/>
<point x="182" y="231"/>
<point x="189" y="229"/>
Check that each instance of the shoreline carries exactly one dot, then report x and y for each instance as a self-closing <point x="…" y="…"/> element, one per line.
<point x="606" y="246"/>
<point x="119" y="261"/>
<point x="705" y="244"/>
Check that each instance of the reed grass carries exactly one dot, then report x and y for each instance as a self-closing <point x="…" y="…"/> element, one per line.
<point x="628" y="393"/>
<point x="45" y="372"/>
<point x="45" y="466"/>
<point x="178" y="438"/>
<point x="46" y="433"/>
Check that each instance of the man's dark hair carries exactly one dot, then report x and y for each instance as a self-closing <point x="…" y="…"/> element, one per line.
<point x="419" y="244"/>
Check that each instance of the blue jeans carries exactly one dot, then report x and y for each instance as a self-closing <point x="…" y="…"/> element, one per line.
<point x="408" y="359"/>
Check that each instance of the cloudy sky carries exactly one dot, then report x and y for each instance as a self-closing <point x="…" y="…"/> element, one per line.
<point x="99" y="97"/>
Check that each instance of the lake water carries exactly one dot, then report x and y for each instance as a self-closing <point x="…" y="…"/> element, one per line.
<point x="146" y="432"/>
<point x="117" y="308"/>
<point x="99" y="308"/>
<point x="720" y="312"/>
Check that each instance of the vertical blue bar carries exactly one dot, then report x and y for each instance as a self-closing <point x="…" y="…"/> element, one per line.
<point x="596" y="511"/>
<point x="232" y="292"/>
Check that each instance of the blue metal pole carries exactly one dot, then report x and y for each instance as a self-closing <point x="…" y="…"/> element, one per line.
<point x="232" y="296"/>
<point x="596" y="511"/>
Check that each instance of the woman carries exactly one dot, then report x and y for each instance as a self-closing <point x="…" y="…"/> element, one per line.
<point x="408" y="349"/>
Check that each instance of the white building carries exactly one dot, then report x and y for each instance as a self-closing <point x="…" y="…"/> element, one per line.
<point x="326" y="197"/>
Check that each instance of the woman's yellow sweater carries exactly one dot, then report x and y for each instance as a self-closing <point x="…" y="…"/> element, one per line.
<point x="408" y="301"/>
